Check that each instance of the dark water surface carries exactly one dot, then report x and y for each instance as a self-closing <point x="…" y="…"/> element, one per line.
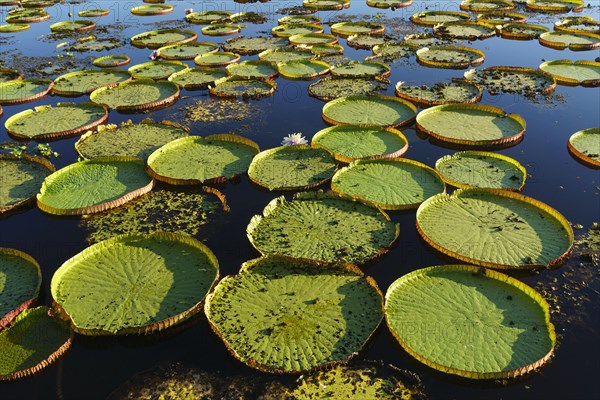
<point x="95" y="367"/>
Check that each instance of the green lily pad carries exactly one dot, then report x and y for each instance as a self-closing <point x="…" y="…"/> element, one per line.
<point x="578" y="25"/>
<point x="152" y="9"/>
<point x="361" y="69"/>
<point x="520" y="31"/>
<point x="233" y="87"/>
<point x="418" y="40"/>
<point x="115" y="60"/>
<point x="573" y="73"/>
<point x="96" y="45"/>
<point x="91" y="186"/>
<point x="292" y="323"/>
<point x="573" y="41"/>
<point x="248" y="16"/>
<point x="585" y="145"/>
<point x="327" y="4"/>
<point x="309" y="39"/>
<point x="20" y="281"/>
<point x="487" y="5"/>
<point x="391" y="51"/>
<point x="197" y="78"/>
<point x="101" y="291"/>
<point x="217" y="59"/>
<point x="350" y="142"/>
<point x="431" y="18"/>
<point x="512" y="80"/>
<point x="369" y="111"/>
<point x="481" y="169"/>
<point x="253" y="69"/>
<point x="554" y="6"/>
<point x="285" y="54"/>
<point x="24" y="90"/>
<point x="26" y="15"/>
<point x="464" y="30"/>
<point x="206" y="17"/>
<point x="163" y="37"/>
<point x="187" y="51"/>
<point x="389" y="3"/>
<point x="98" y="12"/>
<point x="324" y="49"/>
<point x="62" y="120"/>
<point x="287" y="30"/>
<point x="35" y="340"/>
<point x="11" y="28"/>
<point x="299" y="19"/>
<point x="303" y="69"/>
<point x="323" y="227"/>
<point x="69" y="26"/>
<point x="86" y="81"/>
<point x="455" y="57"/>
<point x="366" y="41"/>
<point x="455" y="91"/>
<point x="501" y="17"/>
<point x="222" y="29"/>
<point x="489" y="325"/>
<point x="486" y="126"/>
<point x="137" y="95"/>
<point x="128" y="139"/>
<point x="352" y="28"/>
<point x="391" y="184"/>
<point x="156" y="69"/>
<point x="196" y="160"/>
<point x="292" y="167"/>
<point x="495" y="228"/>
<point x="23" y="177"/>
<point x="333" y="88"/>
<point x="252" y="45"/>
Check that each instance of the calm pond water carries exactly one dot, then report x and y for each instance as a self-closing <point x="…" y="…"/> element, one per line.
<point x="95" y="367"/>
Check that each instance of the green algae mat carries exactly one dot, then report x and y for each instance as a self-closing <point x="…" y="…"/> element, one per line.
<point x="385" y="111"/>
<point x="495" y="228"/>
<point x="22" y="178"/>
<point x="289" y="316"/>
<point x="324" y="227"/>
<point x="135" y="283"/>
<point x="20" y="280"/>
<point x="86" y="81"/>
<point x="469" y="321"/>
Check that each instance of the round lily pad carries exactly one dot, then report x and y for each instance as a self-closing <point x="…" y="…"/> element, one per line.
<point x="520" y="31"/>
<point x="487" y="5"/>
<point x="101" y="291"/>
<point x="454" y="57"/>
<point x="573" y="73"/>
<point x="23" y="177"/>
<point x="128" y="139"/>
<point x="431" y="18"/>
<point x="248" y="16"/>
<point x="573" y="41"/>
<point x="374" y="110"/>
<point x="195" y="160"/>
<point x="303" y="69"/>
<point x="303" y="325"/>
<point x="391" y="184"/>
<point x="156" y="69"/>
<point x="554" y="6"/>
<point x="91" y="186"/>
<point x="350" y="142"/>
<point x="24" y="90"/>
<point x="217" y="59"/>
<point x="187" y="51"/>
<point x="9" y="2"/>
<point x="206" y="17"/>
<point x="26" y="15"/>
<point x="252" y="45"/>
<point x="418" y="40"/>
<point x="323" y="227"/>
<point x="481" y="125"/>
<point x="69" y="26"/>
<point x="456" y="91"/>
<point x="327" y="4"/>
<point x="309" y="39"/>
<point x="35" y="340"/>
<point x="55" y="122"/>
<point x="365" y="41"/>
<point x="285" y="54"/>
<point x="495" y="228"/>
<point x="222" y="29"/>
<point x="391" y="51"/>
<point x="197" y="78"/>
<point x="389" y="3"/>
<point x="163" y="37"/>
<point x="512" y="80"/>
<point x="481" y="169"/>
<point x="361" y="69"/>
<point x="333" y="88"/>
<point x="299" y="19"/>
<point x="464" y="30"/>
<point x="98" y="12"/>
<point x="352" y="28"/>
<point x="585" y="145"/>
<point x="253" y="69"/>
<point x="578" y="25"/>
<point x="489" y="325"/>
<point x="287" y="30"/>
<point x="11" y="28"/>
<point x="232" y="87"/>
<point x="86" y="81"/>
<point x="137" y="95"/>
<point x="292" y="167"/>
<point x="115" y="60"/>
<point x="152" y="9"/>
<point x="500" y="18"/>
<point x="324" y="49"/>
<point x="20" y="280"/>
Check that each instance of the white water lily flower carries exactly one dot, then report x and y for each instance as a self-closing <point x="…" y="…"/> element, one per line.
<point x="154" y="55"/>
<point x="188" y="11"/>
<point x="294" y="138"/>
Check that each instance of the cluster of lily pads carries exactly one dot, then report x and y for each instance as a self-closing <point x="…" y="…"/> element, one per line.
<point x="303" y="304"/>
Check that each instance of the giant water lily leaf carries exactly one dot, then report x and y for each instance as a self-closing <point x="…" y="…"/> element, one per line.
<point x="128" y="139"/>
<point x="366" y="41"/>
<point x="370" y="111"/>
<point x="573" y="41"/>
<point x="159" y="211"/>
<point x="197" y="78"/>
<point x="102" y="290"/>
<point x="585" y="145"/>
<point x="520" y="31"/>
<point x="325" y="49"/>
<point x="93" y="13"/>
<point x="481" y="125"/>
<point x="352" y="28"/>
<point x="217" y="59"/>
<point x="302" y="69"/>
<point x="553" y="6"/>
<point x="487" y="5"/>
<point x="578" y="25"/>
<point x="24" y="90"/>
<point x="481" y="169"/>
<point x="393" y="4"/>
<point x="206" y="17"/>
<point x="333" y="88"/>
<point x="252" y="45"/>
<point x="464" y="30"/>
<point x="391" y="51"/>
<point x="20" y="280"/>
<point x="11" y="28"/>
<point x="35" y="340"/>
<point x="197" y="160"/>
<point x="233" y="86"/>
<point x="285" y="54"/>
<point x="289" y="316"/>
<point x="323" y="227"/>
<point x="91" y="186"/>
<point x="512" y="80"/>
<point x="163" y="37"/>
<point x="22" y="179"/>
<point x="326" y="4"/>
<point x="456" y="91"/>
<point x="138" y="95"/>
<point x="454" y="57"/>
<point x="253" y="69"/>
<point x="221" y="29"/>
<point x="361" y="69"/>
<point x="152" y="9"/>
<point x="495" y="228"/>
<point x="431" y="18"/>
<point x="287" y="30"/>
<point x="351" y="142"/>
<point x="115" y="60"/>
<point x="391" y="184"/>
<point x="156" y="69"/>
<point x="292" y="167"/>
<point x="26" y="15"/>
<point x="573" y="73"/>
<point x="308" y="39"/>
<point x="299" y="19"/>
<point x="56" y="122"/>
<point x="470" y="321"/>
<point x="70" y="26"/>
<point x="82" y="82"/>
<point x="186" y="51"/>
